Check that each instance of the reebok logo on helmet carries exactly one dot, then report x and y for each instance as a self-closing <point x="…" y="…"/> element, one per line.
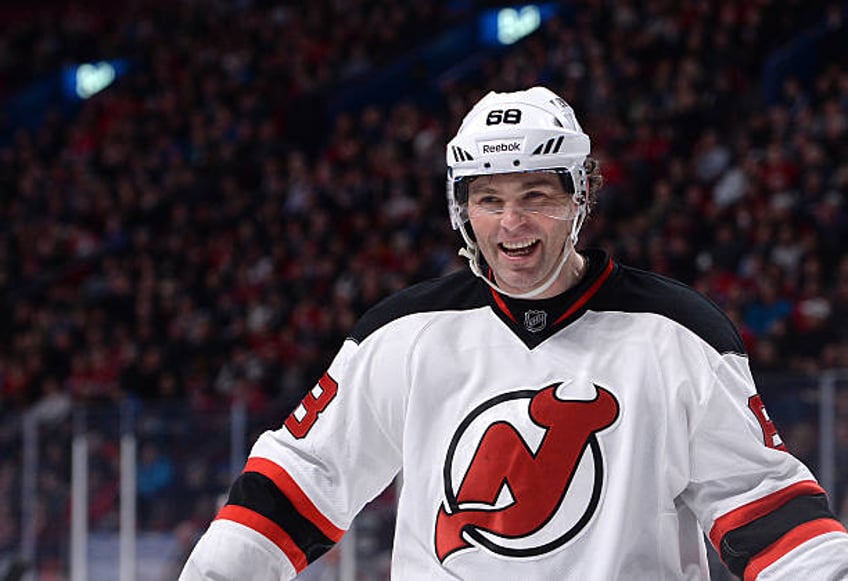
<point x="501" y="146"/>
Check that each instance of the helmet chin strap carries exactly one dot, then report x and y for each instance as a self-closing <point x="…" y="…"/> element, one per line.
<point x="472" y="253"/>
<point x="474" y="264"/>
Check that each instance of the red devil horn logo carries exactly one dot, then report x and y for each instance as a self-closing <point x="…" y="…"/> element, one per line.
<point x="537" y="481"/>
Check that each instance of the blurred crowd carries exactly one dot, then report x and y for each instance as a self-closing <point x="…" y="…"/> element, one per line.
<point x="174" y="240"/>
<point x="201" y="232"/>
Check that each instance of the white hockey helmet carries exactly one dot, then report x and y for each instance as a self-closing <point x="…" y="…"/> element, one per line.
<point x="521" y="131"/>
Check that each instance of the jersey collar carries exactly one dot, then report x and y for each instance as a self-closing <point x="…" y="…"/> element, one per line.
<point x="535" y="320"/>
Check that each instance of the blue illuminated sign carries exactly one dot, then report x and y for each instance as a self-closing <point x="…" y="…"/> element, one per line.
<point x="505" y="26"/>
<point x="87" y="79"/>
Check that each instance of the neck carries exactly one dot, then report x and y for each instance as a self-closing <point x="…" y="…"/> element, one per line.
<point x="578" y="269"/>
<point x="568" y="273"/>
<point x="572" y="271"/>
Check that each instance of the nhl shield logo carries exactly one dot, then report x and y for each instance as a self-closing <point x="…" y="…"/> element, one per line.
<point x="535" y="321"/>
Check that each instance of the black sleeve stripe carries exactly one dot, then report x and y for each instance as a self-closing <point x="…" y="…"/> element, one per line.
<point x="259" y="494"/>
<point x="740" y="545"/>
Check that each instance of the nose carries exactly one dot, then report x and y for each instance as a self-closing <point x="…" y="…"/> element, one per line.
<point x="512" y="217"/>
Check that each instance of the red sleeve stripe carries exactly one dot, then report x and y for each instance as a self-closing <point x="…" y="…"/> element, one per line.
<point x="759" y="508"/>
<point x="268" y="529"/>
<point x="791" y="540"/>
<point x="293" y="492"/>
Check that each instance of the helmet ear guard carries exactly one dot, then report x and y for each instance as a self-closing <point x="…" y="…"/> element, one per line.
<point x="522" y="131"/>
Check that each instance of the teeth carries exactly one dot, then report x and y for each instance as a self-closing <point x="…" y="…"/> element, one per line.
<point x="518" y="245"/>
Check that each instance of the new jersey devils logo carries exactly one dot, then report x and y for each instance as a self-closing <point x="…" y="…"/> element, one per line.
<point x="524" y="472"/>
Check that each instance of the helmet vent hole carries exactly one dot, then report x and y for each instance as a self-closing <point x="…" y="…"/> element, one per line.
<point x="516" y="162"/>
<point x="487" y="165"/>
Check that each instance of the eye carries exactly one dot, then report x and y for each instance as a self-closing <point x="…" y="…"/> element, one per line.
<point x="536" y="198"/>
<point x="484" y="204"/>
<point x="487" y="201"/>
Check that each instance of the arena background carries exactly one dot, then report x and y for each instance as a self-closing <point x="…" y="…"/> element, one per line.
<point x="199" y="198"/>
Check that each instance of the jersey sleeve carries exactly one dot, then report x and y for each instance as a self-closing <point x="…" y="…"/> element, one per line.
<point x="763" y="510"/>
<point x="303" y="483"/>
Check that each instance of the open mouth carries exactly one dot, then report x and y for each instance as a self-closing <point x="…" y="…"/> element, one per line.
<point x="518" y="248"/>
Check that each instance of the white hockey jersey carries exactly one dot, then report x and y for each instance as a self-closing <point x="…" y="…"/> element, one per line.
<point x="593" y="436"/>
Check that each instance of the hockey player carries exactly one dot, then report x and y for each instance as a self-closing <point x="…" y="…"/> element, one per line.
<point x="555" y="414"/>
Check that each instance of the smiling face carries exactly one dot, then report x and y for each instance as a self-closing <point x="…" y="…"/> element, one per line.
<point x="522" y="223"/>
